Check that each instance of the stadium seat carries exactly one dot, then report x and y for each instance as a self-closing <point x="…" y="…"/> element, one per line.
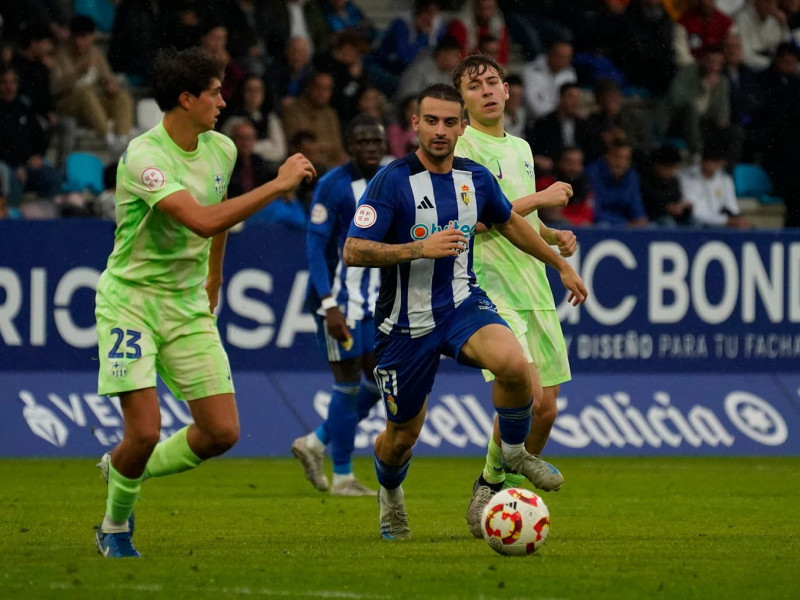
<point x="752" y="181"/>
<point x="83" y="171"/>
<point x="148" y="114"/>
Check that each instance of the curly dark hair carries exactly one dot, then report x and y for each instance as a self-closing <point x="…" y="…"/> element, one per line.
<point x="190" y="70"/>
<point x="476" y="65"/>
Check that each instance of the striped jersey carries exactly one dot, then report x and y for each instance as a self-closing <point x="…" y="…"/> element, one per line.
<point x="405" y="202"/>
<point x="355" y="289"/>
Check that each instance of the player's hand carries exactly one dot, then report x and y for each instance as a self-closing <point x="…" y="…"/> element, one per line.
<point x="337" y="324"/>
<point x="556" y="195"/>
<point x="567" y="242"/>
<point x="444" y="243"/>
<point x="295" y="169"/>
<point x="574" y="284"/>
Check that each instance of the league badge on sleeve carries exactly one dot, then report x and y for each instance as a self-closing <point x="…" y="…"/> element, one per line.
<point x="153" y="178"/>
<point x="365" y="216"/>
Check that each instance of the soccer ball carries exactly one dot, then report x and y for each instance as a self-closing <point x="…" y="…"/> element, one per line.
<point x="515" y="522"/>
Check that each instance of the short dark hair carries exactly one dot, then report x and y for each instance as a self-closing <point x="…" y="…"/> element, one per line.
<point x="177" y="71"/>
<point x="666" y="155"/>
<point x="448" y="42"/>
<point x="361" y="120"/>
<point x="82" y="25"/>
<point x="567" y="87"/>
<point x="34" y="32"/>
<point x="605" y="86"/>
<point x="475" y="66"/>
<point x="440" y="91"/>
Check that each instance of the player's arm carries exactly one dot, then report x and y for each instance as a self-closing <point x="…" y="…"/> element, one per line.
<point x="520" y="233"/>
<point x="563" y="238"/>
<point x="207" y="221"/>
<point x="215" y="259"/>
<point x="558" y="194"/>
<point x="360" y="252"/>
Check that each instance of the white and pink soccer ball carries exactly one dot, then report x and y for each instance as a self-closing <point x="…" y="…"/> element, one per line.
<point x="515" y="522"/>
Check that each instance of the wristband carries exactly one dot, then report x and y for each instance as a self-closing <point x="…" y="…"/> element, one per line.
<point x="329" y="303"/>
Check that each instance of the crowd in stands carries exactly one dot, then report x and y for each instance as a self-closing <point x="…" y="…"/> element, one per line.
<point x="645" y="106"/>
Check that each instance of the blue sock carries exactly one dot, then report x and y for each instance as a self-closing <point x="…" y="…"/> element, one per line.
<point x="342" y="423"/>
<point x="368" y="396"/>
<point x="323" y="433"/>
<point x="389" y="476"/>
<point x="515" y="423"/>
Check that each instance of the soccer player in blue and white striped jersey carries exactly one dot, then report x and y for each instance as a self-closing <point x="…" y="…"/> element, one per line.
<point x="343" y="300"/>
<point x="415" y="221"/>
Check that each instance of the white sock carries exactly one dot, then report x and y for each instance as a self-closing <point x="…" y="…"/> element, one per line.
<point x="513" y="453"/>
<point x="314" y="444"/>
<point x="342" y="479"/>
<point x="109" y="526"/>
<point x="395" y="496"/>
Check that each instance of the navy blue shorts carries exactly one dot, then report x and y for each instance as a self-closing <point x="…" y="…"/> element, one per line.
<point x="407" y="366"/>
<point x="362" y="336"/>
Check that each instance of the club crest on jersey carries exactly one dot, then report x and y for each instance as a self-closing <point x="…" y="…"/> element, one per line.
<point x="220" y="184"/>
<point x="118" y="368"/>
<point x="528" y="168"/>
<point x="466" y="194"/>
<point x="319" y="214"/>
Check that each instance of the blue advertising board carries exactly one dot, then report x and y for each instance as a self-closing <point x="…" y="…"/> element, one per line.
<point x="689" y="343"/>
<point x="660" y="301"/>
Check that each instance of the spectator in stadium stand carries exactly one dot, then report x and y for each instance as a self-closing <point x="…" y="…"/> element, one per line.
<point x="699" y="97"/>
<point x="661" y="189"/>
<point x="215" y="40"/>
<point x="344" y="14"/>
<point x="305" y="143"/>
<point x="401" y="135"/>
<point x="791" y="8"/>
<point x="517" y="116"/>
<point x="23" y="143"/>
<point x="292" y="73"/>
<point x="185" y="22"/>
<point x="561" y="128"/>
<point x="138" y="34"/>
<point x="295" y="18"/>
<point x="580" y="208"/>
<point x="254" y="103"/>
<point x="14" y="15"/>
<point x="544" y="77"/>
<point x="762" y="26"/>
<point x="313" y="112"/>
<point x="371" y="101"/>
<point x="428" y="68"/>
<point x="745" y="100"/>
<point x="87" y="89"/>
<point x="536" y="24"/>
<point x="403" y="39"/>
<point x="345" y="62"/>
<point x="250" y="169"/>
<point x="490" y="46"/>
<point x="704" y="25"/>
<point x="614" y="120"/>
<point x="247" y="22"/>
<point x="710" y="191"/>
<point x="645" y="45"/>
<point x="780" y="120"/>
<point x="617" y="192"/>
<point x="480" y="18"/>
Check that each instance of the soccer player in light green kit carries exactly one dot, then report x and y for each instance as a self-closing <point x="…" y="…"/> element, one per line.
<point x="515" y="281"/>
<point x="153" y="313"/>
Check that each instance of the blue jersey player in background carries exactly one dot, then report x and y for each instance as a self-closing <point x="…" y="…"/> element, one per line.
<point x="415" y="221"/>
<point x="343" y="300"/>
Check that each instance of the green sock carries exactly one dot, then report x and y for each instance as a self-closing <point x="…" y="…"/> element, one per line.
<point x="122" y="495"/>
<point x="514" y="480"/>
<point x="493" y="469"/>
<point x="173" y="455"/>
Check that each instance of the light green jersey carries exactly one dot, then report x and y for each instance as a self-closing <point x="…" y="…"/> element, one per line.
<point x="508" y="275"/>
<point x="150" y="248"/>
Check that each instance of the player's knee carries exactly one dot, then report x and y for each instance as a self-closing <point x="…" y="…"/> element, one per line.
<point x="144" y="440"/>
<point x="404" y="440"/>
<point x="513" y="372"/>
<point x="222" y="439"/>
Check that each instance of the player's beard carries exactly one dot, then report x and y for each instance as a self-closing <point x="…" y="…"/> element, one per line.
<point x="437" y="154"/>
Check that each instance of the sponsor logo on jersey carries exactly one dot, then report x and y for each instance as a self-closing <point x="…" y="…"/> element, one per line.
<point x="499" y="173"/>
<point x="319" y="214"/>
<point x="420" y="231"/>
<point x="365" y="216"/>
<point x="153" y="178"/>
<point x="426" y="203"/>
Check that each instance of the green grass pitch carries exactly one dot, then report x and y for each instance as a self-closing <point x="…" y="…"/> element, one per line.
<point x="682" y="528"/>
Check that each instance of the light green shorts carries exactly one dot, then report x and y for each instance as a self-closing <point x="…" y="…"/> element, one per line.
<point x="539" y="334"/>
<point x="141" y="332"/>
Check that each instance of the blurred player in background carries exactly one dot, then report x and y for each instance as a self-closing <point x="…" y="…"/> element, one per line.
<point x="515" y="281"/>
<point x="153" y="314"/>
<point x="343" y="300"/>
<point x="415" y="221"/>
